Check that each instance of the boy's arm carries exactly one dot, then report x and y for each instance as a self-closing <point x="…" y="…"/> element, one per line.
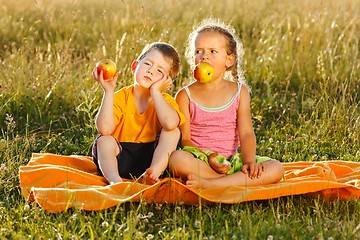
<point x="167" y="115"/>
<point x="105" y="117"/>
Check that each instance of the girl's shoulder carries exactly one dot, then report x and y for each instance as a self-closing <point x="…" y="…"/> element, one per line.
<point x="185" y="90"/>
<point x="191" y="85"/>
<point x="233" y="88"/>
<point x="244" y="89"/>
<point x="244" y="95"/>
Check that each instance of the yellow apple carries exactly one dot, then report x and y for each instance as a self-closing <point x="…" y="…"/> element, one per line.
<point x="203" y="72"/>
<point x="108" y="67"/>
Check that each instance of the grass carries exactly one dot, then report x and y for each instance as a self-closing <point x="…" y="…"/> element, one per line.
<point x="302" y="63"/>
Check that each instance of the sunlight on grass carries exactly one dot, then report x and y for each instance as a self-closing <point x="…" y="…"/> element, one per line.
<point x="302" y="63"/>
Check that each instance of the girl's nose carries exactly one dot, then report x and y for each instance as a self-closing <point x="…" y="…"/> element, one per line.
<point x="205" y="56"/>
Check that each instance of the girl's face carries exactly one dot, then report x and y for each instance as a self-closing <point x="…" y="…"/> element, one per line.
<point x="153" y="67"/>
<point x="211" y="47"/>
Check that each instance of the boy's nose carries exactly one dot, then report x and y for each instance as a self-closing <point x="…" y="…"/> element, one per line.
<point x="149" y="71"/>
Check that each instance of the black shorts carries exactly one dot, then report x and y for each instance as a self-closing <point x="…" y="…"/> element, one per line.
<point x="133" y="159"/>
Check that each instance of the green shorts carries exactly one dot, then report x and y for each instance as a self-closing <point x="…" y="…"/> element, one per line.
<point x="235" y="160"/>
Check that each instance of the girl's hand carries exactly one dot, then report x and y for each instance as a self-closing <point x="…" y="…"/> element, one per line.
<point x="253" y="170"/>
<point x="163" y="84"/>
<point x="108" y="85"/>
<point x="221" y="168"/>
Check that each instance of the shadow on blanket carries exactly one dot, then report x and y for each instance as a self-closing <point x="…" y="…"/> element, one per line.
<point x="58" y="183"/>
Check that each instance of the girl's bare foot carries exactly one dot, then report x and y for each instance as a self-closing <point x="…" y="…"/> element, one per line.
<point x="194" y="181"/>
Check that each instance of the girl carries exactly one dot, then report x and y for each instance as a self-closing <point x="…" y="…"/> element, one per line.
<point x="218" y="116"/>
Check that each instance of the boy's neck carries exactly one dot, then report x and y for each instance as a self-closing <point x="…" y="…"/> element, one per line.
<point x="142" y="98"/>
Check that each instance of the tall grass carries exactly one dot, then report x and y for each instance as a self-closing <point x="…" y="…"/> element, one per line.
<point x="302" y="63"/>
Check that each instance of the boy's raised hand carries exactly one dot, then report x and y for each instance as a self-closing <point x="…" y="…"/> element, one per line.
<point x="108" y="85"/>
<point x="163" y="84"/>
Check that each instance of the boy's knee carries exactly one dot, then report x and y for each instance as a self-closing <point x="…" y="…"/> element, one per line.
<point x="175" y="132"/>
<point x="106" y="141"/>
<point x="172" y="136"/>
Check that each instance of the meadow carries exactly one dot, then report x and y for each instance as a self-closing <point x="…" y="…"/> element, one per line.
<point x="302" y="63"/>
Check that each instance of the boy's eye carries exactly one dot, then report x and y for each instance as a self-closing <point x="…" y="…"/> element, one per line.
<point x="147" y="63"/>
<point x="160" y="71"/>
<point x="197" y="51"/>
<point x="213" y="51"/>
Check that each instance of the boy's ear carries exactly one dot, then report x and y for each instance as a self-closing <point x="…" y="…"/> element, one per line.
<point x="134" y="65"/>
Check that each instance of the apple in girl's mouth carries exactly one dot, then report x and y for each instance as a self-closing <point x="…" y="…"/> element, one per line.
<point x="203" y="72"/>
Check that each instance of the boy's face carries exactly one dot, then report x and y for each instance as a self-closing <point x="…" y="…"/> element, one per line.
<point x="152" y="68"/>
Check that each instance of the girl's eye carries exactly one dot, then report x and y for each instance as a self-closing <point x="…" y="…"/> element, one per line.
<point x="160" y="71"/>
<point x="146" y="63"/>
<point x="213" y="51"/>
<point x="197" y="51"/>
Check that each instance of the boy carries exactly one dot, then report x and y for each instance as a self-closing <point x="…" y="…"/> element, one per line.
<point x="130" y="120"/>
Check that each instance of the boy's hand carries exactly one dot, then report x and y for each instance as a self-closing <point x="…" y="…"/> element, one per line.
<point x="108" y="85"/>
<point x="163" y="84"/>
<point x="253" y="170"/>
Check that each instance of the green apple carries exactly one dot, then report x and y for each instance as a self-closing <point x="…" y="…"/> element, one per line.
<point x="108" y="67"/>
<point x="203" y="72"/>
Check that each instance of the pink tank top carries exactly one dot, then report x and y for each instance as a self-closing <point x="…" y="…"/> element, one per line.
<point x="215" y="129"/>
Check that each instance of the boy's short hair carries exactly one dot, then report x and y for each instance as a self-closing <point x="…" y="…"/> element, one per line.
<point x="168" y="51"/>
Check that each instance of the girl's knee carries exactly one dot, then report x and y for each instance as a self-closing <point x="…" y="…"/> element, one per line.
<point x="173" y="155"/>
<point x="175" y="158"/>
<point x="277" y="168"/>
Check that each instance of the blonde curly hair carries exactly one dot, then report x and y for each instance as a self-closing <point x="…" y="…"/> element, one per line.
<point x="234" y="46"/>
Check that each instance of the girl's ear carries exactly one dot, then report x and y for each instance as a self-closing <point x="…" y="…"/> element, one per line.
<point x="134" y="65"/>
<point x="230" y="59"/>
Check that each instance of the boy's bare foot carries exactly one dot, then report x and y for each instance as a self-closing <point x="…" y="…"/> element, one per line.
<point x="150" y="177"/>
<point x="221" y="168"/>
<point x="114" y="180"/>
<point x="194" y="181"/>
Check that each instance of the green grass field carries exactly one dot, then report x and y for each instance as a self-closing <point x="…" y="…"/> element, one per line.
<point x="303" y="65"/>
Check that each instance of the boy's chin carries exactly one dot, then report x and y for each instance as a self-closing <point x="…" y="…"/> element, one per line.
<point x="144" y="85"/>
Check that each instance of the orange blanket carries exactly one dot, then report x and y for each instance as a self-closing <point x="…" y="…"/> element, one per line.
<point x="58" y="182"/>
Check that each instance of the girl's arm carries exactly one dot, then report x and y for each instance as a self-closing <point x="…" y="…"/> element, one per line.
<point x="246" y="134"/>
<point x="183" y="102"/>
<point x="245" y="128"/>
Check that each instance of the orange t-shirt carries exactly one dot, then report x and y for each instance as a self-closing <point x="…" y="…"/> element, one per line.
<point x="130" y="126"/>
